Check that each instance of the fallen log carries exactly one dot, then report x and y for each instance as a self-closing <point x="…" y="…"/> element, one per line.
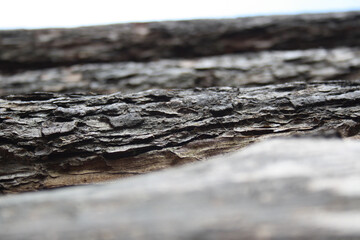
<point x="281" y="189"/>
<point x="51" y="140"/>
<point x="24" y="49"/>
<point x="249" y="69"/>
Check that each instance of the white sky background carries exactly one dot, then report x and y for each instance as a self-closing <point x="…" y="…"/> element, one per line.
<point x="71" y="13"/>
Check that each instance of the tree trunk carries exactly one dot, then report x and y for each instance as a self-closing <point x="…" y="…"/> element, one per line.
<point x="22" y="49"/>
<point x="282" y="189"/>
<point x="229" y="70"/>
<point x="52" y="140"/>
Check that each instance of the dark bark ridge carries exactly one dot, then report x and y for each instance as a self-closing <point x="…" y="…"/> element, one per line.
<point x="51" y="140"/>
<point x="149" y="41"/>
<point x="250" y="69"/>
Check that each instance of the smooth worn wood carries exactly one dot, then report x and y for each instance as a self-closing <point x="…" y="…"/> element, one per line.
<point x="250" y="69"/>
<point x="51" y="140"/>
<point x="22" y="49"/>
<point x="300" y="189"/>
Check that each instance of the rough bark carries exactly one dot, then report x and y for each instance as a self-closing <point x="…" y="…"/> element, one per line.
<point x="227" y="70"/>
<point x="272" y="190"/>
<point x="51" y="140"/>
<point x="155" y="40"/>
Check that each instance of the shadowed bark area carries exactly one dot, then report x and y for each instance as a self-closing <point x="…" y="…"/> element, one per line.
<point x="23" y="49"/>
<point x="52" y="140"/>
<point x="272" y="190"/>
<point x="249" y="69"/>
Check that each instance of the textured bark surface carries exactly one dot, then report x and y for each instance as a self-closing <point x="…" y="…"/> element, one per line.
<point x="149" y="41"/>
<point x="51" y="140"/>
<point x="281" y="189"/>
<point x="227" y="70"/>
<point x="272" y="190"/>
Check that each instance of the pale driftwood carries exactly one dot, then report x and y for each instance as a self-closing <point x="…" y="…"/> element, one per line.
<point x="50" y="140"/>
<point x="149" y="41"/>
<point x="249" y="69"/>
<point x="282" y="189"/>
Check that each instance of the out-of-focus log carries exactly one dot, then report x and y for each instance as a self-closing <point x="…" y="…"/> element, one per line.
<point x="281" y="189"/>
<point x="155" y="40"/>
<point x="268" y="67"/>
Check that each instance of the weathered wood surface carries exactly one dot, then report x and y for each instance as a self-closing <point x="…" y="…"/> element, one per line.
<point x="50" y="140"/>
<point x="262" y="68"/>
<point x="281" y="189"/>
<point x="155" y="40"/>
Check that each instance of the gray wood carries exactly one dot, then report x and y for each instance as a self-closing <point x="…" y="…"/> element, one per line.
<point x="250" y="69"/>
<point x="21" y="49"/>
<point x="51" y="140"/>
<point x="281" y="189"/>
